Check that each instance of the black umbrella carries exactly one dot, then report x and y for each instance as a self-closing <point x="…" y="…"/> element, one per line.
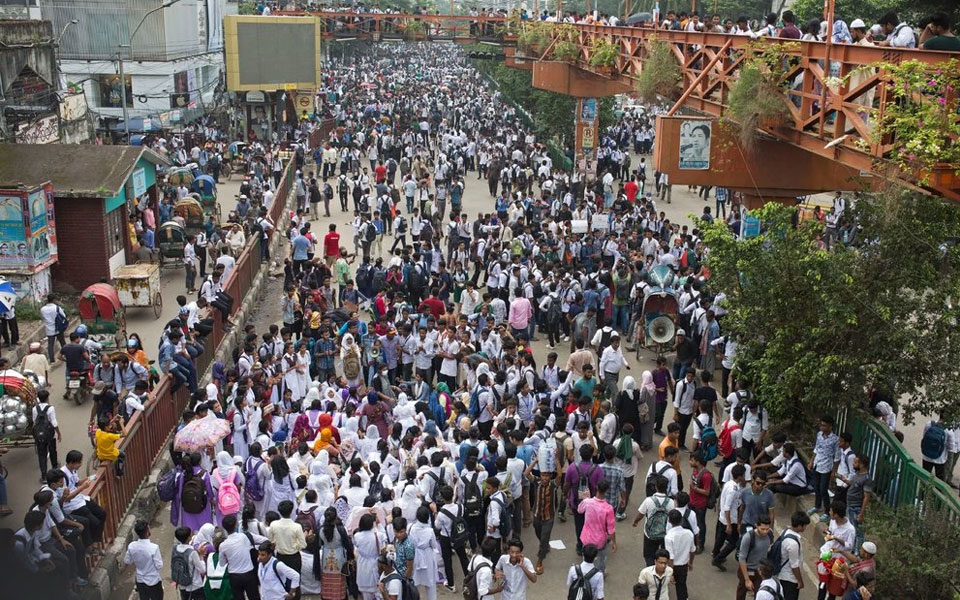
<point x="641" y="17"/>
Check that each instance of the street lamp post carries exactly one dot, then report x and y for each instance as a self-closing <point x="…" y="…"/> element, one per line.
<point x="60" y="75"/>
<point x="129" y="44"/>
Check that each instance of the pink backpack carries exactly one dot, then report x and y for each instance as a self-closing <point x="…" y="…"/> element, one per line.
<point x="228" y="496"/>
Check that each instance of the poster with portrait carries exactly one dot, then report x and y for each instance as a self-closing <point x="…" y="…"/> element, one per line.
<point x="37" y="201"/>
<point x="13" y="233"/>
<point x="695" y="136"/>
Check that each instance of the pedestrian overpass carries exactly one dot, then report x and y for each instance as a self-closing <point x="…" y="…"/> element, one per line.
<point x="825" y="144"/>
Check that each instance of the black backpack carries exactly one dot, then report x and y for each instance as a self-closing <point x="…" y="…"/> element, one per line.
<point x="506" y="516"/>
<point x="580" y="588"/>
<point x="193" y="497"/>
<point x="472" y="497"/>
<point x="408" y="590"/>
<point x="43" y="430"/>
<point x="470" y="582"/>
<point x="775" y="553"/>
<point x="459" y="533"/>
<point x="370" y="234"/>
<point x="651" y="484"/>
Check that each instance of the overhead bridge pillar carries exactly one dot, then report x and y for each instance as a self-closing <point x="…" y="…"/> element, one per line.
<point x="703" y="151"/>
<point x="565" y="78"/>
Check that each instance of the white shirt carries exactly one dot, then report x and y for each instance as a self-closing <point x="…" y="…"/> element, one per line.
<point x="612" y="360"/>
<point x="729" y="501"/>
<point x="792" y="554"/>
<point x="649" y="576"/>
<point x="515" y="581"/>
<point x="235" y="551"/>
<point x="773" y="584"/>
<point x="596" y="582"/>
<point x="484" y="576"/>
<point x="48" y="312"/>
<point x="51" y="414"/>
<point x="679" y="543"/>
<point x="145" y="556"/>
<point x="670" y="474"/>
<point x="902" y="37"/>
<point x="272" y="586"/>
<point x="683" y="396"/>
<point x="728" y="472"/>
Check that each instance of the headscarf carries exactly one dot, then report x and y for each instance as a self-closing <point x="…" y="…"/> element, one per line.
<point x="347" y="345"/>
<point x="204" y="537"/>
<point x="323" y="440"/>
<point x="368" y="445"/>
<point x="648" y="383"/>
<point x="625" y="448"/>
<point x="439" y="415"/>
<point x="225" y="465"/>
<point x="409" y="503"/>
<point x="373" y="397"/>
<point x="312" y="394"/>
<point x="841" y="35"/>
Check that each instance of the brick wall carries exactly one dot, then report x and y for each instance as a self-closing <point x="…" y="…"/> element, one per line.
<point x="81" y="243"/>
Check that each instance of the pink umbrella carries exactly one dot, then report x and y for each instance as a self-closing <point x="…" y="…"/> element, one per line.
<point x="201" y="433"/>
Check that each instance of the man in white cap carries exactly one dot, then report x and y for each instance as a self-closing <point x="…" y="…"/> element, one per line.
<point x="864" y="563"/>
<point x="36" y="361"/>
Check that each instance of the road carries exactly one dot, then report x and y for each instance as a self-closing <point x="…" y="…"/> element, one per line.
<point x="21" y="463"/>
<point x="624" y="566"/>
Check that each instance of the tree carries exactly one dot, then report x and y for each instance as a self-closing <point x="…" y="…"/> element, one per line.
<point x="910" y="11"/>
<point x="820" y="329"/>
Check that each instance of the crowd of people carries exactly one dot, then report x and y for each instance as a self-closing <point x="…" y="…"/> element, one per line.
<point x="401" y="419"/>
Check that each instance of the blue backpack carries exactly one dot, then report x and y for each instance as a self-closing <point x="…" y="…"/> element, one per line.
<point x="475" y="403"/>
<point x="251" y="483"/>
<point x="934" y="441"/>
<point x="167" y="486"/>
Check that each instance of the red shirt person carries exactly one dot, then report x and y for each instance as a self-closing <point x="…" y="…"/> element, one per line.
<point x="331" y="244"/>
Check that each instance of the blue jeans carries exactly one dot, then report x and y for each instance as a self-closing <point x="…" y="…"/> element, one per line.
<point x="409" y="204"/>
<point x="821" y="487"/>
<point x="852" y="514"/>
<point x="621" y="318"/>
<point x="190" y="370"/>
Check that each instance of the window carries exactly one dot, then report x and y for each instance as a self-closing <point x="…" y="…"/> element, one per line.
<point x="115" y="230"/>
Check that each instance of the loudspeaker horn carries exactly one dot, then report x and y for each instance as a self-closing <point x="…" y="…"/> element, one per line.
<point x="661" y="329"/>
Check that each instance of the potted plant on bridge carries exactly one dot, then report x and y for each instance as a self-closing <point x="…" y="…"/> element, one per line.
<point x="661" y="73"/>
<point x="757" y="100"/>
<point x="603" y="56"/>
<point x="535" y="38"/>
<point x="566" y="51"/>
<point x="415" y="30"/>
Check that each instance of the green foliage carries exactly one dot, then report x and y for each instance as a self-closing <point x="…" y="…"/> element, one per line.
<point x="910" y="11"/>
<point x="415" y="30"/>
<point x="660" y="75"/>
<point x="756" y="97"/>
<point x="916" y="552"/>
<point x="247" y="8"/>
<point x="819" y="327"/>
<point x="566" y="51"/>
<point x="604" y="53"/>
<point x="535" y="36"/>
<point x="606" y="111"/>
<point x="27" y="311"/>
<point x="923" y="119"/>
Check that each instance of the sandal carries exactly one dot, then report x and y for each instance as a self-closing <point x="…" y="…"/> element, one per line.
<point x="538" y="569"/>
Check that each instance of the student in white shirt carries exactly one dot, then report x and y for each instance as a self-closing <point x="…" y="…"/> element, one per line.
<point x="145" y="556"/>
<point x="770" y="588"/>
<point x="585" y="569"/>
<point x="658" y="577"/>
<point x="235" y="555"/>
<point x="516" y="570"/>
<point x="195" y="565"/>
<point x="728" y="518"/>
<point x="679" y="542"/>
<point x="791" y="574"/>
<point x="482" y="565"/>
<point x="277" y="580"/>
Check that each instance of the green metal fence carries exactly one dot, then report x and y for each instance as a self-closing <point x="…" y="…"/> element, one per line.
<point x="898" y="479"/>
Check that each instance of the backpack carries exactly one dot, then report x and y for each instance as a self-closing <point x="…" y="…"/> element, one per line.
<point x="376" y="486"/>
<point x="193" y="497"/>
<point x="773" y="592"/>
<point x="181" y="572"/>
<point x="506" y="517"/>
<point x="472" y="497"/>
<point x="363" y="278"/>
<point x="470" y="582"/>
<point x="554" y="310"/>
<point x="686" y="519"/>
<point x="438" y="480"/>
<point x="43" y="430"/>
<point x="228" y="496"/>
<point x="370" y="233"/>
<point x="416" y="280"/>
<point x="713" y="493"/>
<point x="775" y="553"/>
<point x="708" y="439"/>
<point x="651" y="483"/>
<point x="408" y="589"/>
<point x="351" y="365"/>
<point x="474" y="408"/>
<point x="307" y="520"/>
<point x="251" y="483"/>
<point x="401" y="225"/>
<point x="656" y="525"/>
<point x="459" y="533"/>
<point x="726" y="439"/>
<point x="583" y="482"/>
<point x="60" y="321"/>
<point x="580" y="588"/>
<point x="276" y="572"/>
<point x="934" y="441"/>
<point x="167" y="486"/>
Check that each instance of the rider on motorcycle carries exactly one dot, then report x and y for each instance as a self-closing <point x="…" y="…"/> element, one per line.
<point x="92" y="346"/>
<point x="76" y="357"/>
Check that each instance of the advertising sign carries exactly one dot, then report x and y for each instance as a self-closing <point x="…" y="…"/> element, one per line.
<point x="13" y="234"/>
<point x="695" y="144"/>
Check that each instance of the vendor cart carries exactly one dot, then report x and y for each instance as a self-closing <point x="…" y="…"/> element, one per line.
<point x="102" y="312"/>
<point x="139" y="285"/>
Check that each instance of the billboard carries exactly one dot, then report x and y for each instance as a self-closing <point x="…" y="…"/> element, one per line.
<point x="695" y="136"/>
<point x="28" y="234"/>
<point x="253" y="44"/>
<point x="14" y="252"/>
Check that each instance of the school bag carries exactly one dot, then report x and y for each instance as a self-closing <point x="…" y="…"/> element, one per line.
<point x="934" y="441"/>
<point x="775" y="553"/>
<point x="470" y="582"/>
<point x="459" y="533"/>
<point x="307" y="520"/>
<point x="408" y="589"/>
<point x="251" y="483"/>
<point x="193" y="497"/>
<point x="181" y="572"/>
<point x="580" y="588"/>
<point x="351" y="365"/>
<point x="584" y="490"/>
<point x="43" y="430"/>
<point x="228" y="496"/>
<point x="370" y="234"/>
<point x="656" y="525"/>
<point x="475" y="403"/>
<point x="505" y="517"/>
<point x="726" y="438"/>
<point x="651" y="483"/>
<point x="167" y="486"/>
<point x="472" y="497"/>
<point x="708" y="439"/>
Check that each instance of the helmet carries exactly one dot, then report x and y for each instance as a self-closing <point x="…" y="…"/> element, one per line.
<point x="82" y="330"/>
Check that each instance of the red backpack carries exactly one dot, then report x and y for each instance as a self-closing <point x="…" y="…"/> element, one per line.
<point x="726" y="438"/>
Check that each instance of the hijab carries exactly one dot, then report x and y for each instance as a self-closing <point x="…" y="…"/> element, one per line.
<point x="324" y="440"/>
<point x="204" y="537"/>
<point x="841" y="34"/>
<point x="347" y="345"/>
<point x="648" y="384"/>
<point x="409" y="503"/>
<point x="225" y="465"/>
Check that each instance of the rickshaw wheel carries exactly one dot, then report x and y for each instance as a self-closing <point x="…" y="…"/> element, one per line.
<point x="157" y="305"/>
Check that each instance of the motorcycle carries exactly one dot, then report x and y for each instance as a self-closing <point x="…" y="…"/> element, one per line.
<point x="78" y="387"/>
